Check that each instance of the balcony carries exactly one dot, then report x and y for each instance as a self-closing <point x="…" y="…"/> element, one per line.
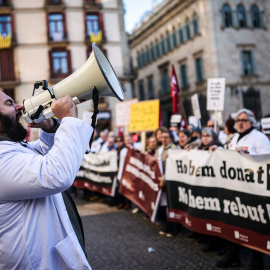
<point x="92" y="5"/>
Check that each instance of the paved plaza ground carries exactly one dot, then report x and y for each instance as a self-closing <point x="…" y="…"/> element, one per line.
<point x="120" y="240"/>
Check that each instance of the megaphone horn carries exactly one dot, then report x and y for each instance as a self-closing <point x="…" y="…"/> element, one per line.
<point x="96" y="72"/>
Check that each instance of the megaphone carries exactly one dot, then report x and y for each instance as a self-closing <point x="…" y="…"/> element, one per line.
<point x="96" y="72"/>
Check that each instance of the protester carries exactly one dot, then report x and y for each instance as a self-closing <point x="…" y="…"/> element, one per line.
<point x="209" y="140"/>
<point x="220" y="134"/>
<point x="161" y="155"/>
<point x="124" y="203"/>
<point x="108" y="146"/>
<point x="197" y="132"/>
<point x="158" y="135"/>
<point x="230" y="131"/>
<point x="151" y="146"/>
<point x="186" y="141"/>
<point x="248" y="141"/>
<point x="40" y="225"/>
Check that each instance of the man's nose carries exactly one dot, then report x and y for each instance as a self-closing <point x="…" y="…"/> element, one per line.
<point x="18" y="107"/>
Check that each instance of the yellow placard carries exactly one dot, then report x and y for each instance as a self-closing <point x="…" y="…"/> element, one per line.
<point x="144" y="116"/>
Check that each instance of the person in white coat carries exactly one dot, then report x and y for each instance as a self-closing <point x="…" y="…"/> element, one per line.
<point x="39" y="224"/>
<point x="248" y="140"/>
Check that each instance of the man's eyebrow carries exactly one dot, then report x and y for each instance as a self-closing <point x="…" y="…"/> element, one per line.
<point x="9" y="100"/>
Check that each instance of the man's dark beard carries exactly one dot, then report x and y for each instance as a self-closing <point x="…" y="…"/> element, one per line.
<point x="12" y="128"/>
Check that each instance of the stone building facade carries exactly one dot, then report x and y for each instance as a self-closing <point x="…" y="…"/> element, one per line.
<point x="50" y="39"/>
<point x="204" y="39"/>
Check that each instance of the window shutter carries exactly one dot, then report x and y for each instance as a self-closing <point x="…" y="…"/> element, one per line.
<point x="51" y="64"/>
<point x="65" y="26"/>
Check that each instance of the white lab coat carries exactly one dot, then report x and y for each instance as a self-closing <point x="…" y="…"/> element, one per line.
<point x="35" y="230"/>
<point x="255" y="142"/>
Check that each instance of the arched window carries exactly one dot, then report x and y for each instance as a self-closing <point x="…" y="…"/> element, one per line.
<point x="187" y="28"/>
<point x="195" y="25"/>
<point x="227" y="16"/>
<point x="241" y="16"/>
<point x="256" y="17"/>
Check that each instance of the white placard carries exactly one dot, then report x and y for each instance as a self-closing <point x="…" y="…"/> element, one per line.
<point x="193" y="120"/>
<point x="176" y="119"/>
<point x="122" y="112"/>
<point x="265" y="123"/>
<point x="215" y="94"/>
<point x="196" y="106"/>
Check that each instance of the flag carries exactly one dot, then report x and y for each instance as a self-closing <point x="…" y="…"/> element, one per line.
<point x="96" y="37"/>
<point x="174" y="92"/>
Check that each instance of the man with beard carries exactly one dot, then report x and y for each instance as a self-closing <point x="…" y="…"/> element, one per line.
<point x="247" y="141"/>
<point x="39" y="224"/>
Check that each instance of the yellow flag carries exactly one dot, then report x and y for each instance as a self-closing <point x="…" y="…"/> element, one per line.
<point x="96" y="38"/>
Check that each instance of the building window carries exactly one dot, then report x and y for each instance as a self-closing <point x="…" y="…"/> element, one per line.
<point x="141" y="91"/>
<point x="199" y="69"/>
<point x="187" y="27"/>
<point x="53" y="2"/>
<point x="165" y="80"/>
<point x="227" y="16"/>
<point x="5" y="3"/>
<point x="157" y="50"/>
<point x="94" y="28"/>
<point x="162" y="46"/>
<point x="152" y="52"/>
<point x="184" y="76"/>
<point x="174" y="41"/>
<point x="60" y="63"/>
<point x="168" y="42"/>
<point x="5" y="25"/>
<point x="7" y="65"/>
<point x="56" y="27"/>
<point x="195" y="25"/>
<point x="151" y="94"/>
<point x="248" y="66"/>
<point x="256" y="17"/>
<point x="241" y="16"/>
<point x="180" y="34"/>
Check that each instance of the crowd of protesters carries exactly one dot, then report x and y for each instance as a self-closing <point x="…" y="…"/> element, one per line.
<point x="241" y="133"/>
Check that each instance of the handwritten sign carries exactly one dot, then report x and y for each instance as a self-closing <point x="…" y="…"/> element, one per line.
<point x="215" y="94"/>
<point x="265" y="123"/>
<point x="196" y="106"/>
<point x="144" y="116"/>
<point x="122" y="112"/>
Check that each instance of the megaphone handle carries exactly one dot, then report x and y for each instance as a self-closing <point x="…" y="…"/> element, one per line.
<point x="95" y="97"/>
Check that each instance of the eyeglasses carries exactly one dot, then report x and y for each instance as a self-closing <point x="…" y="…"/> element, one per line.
<point x="242" y="120"/>
<point x="211" y="126"/>
<point x="205" y="136"/>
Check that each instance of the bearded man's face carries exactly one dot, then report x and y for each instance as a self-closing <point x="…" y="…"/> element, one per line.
<point x="12" y="128"/>
<point x="10" y="114"/>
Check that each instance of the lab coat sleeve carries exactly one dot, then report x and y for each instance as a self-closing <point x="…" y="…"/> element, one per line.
<point x="29" y="175"/>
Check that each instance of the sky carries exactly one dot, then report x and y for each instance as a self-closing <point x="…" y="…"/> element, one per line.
<point x="134" y="9"/>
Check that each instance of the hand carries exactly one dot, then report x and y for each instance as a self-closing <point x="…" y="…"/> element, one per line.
<point x="64" y="107"/>
<point x="212" y="148"/>
<point x="242" y="150"/>
<point x="46" y="124"/>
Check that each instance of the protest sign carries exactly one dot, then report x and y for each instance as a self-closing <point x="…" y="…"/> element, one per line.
<point x="144" y="116"/>
<point x="221" y="193"/>
<point x="122" y="112"/>
<point x="98" y="173"/>
<point x="215" y="94"/>
<point x="139" y="181"/>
